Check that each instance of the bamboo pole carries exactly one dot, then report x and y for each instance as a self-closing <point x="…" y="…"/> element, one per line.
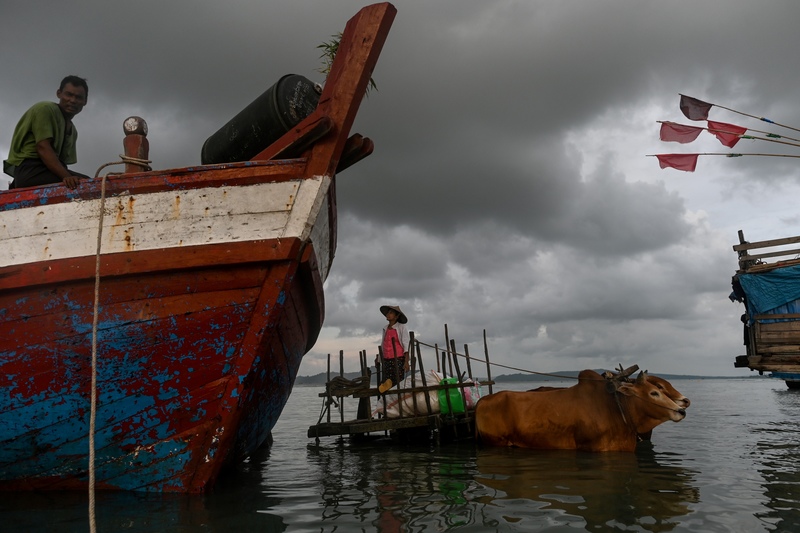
<point x="396" y="378"/>
<point x="364" y="406"/>
<point x="726" y="154"/>
<point x="458" y="373"/>
<point x="770" y="137"/>
<point x="341" y="373"/>
<point x="328" y="389"/>
<point x="455" y="359"/>
<point x="763" y="119"/>
<point x="379" y="366"/>
<point x="469" y="366"/>
<point x="381" y="378"/>
<point x="413" y="368"/>
<point x="424" y="379"/>
<point x="488" y="364"/>
<point x="446" y="391"/>
<point x="447" y="345"/>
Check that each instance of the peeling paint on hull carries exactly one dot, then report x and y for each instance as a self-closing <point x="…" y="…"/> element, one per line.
<point x="199" y="338"/>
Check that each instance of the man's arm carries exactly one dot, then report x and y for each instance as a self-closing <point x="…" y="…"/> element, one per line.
<point x="50" y="159"/>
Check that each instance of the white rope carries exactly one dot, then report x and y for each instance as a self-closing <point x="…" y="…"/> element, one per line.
<point x="560" y="376"/>
<point x="95" y="318"/>
<point x="144" y="163"/>
<point x="126" y="159"/>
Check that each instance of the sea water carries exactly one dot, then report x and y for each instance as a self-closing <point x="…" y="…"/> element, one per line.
<point x="732" y="465"/>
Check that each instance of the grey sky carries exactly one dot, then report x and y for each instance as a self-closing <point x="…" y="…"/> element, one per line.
<point x="509" y="188"/>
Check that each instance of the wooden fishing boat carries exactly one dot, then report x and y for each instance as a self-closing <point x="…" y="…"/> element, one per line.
<point x="154" y="355"/>
<point x="771" y="294"/>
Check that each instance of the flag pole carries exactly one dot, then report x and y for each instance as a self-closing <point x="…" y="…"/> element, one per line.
<point x="757" y="138"/>
<point x="726" y="154"/>
<point x="758" y="118"/>
<point x="774" y="135"/>
<point x="764" y="119"/>
<point x="771" y="137"/>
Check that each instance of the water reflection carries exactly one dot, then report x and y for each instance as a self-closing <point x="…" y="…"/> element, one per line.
<point x="390" y="487"/>
<point x="130" y="511"/>
<point x="778" y="461"/>
<point x="404" y="489"/>
<point x="240" y="501"/>
<point x="234" y="505"/>
<point x="604" y="489"/>
<point x="370" y="485"/>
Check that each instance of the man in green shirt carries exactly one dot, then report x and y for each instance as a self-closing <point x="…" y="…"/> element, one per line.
<point x="44" y="139"/>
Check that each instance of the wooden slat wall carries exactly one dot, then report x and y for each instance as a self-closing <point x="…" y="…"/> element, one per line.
<point x="778" y="338"/>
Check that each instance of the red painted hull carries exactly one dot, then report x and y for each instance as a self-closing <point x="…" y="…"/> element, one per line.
<point x="204" y="296"/>
<point x="197" y="352"/>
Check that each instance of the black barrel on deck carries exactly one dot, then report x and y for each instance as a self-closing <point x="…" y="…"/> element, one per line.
<point x="264" y="121"/>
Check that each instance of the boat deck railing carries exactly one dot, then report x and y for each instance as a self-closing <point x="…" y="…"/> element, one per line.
<point x="752" y="254"/>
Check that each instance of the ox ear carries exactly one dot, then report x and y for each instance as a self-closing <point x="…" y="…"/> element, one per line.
<point x="626" y="389"/>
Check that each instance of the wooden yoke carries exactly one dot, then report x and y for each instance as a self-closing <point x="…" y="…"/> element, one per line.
<point x="329" y="125"/>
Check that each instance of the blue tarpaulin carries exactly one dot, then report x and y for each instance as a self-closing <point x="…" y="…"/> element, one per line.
<point x="767" y="291"/>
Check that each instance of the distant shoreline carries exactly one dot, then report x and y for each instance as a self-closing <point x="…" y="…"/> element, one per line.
<point x="321" y="378"/>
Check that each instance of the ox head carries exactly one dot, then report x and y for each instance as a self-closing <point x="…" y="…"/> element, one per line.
<point x="622" y="375"/>
<point x="648" y="405"/>
<point x="667" y="388"/>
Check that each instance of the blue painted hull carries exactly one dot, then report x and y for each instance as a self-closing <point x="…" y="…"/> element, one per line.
<point x="180" y="393"/>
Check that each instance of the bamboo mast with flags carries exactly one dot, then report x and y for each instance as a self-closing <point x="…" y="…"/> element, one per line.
<point x="688" y="162"/>
<point x="692" y="107"/>
<point x="727" y="134"/>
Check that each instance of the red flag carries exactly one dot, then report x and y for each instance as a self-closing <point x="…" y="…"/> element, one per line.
<point x="728" y="134"/>
<point x="681" y="133"/>
<point x="694" y="109"/>
<point x="685" y="162"/>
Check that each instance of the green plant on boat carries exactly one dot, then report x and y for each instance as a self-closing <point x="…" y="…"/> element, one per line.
<point x="329" y="49"/>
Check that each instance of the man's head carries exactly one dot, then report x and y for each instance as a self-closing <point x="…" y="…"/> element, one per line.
<point x="72" y="95"/>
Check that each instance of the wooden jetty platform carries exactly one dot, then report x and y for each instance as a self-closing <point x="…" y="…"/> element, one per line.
<point x="437" y="404"/>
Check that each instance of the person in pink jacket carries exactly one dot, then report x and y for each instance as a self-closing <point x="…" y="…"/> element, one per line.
<point x="394" y="347"/>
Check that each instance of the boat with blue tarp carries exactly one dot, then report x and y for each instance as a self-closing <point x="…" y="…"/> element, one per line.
<point x="767" y="282"/>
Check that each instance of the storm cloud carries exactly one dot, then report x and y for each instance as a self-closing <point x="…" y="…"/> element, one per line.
<point x="509" y="189"/>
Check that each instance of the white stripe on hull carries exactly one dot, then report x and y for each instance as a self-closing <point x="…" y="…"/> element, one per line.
<point x="170" y="219"/>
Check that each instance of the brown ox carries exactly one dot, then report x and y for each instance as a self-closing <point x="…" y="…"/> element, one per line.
<point x="585" y="416"/>
<point x="663" y="385"/>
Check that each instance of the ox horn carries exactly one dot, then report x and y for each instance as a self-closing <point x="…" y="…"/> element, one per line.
<point x="642" y="377"/>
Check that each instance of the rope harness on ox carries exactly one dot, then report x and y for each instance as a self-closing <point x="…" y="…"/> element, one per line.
<point x="624" y="377"/>
<point x="614" y="382"/>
